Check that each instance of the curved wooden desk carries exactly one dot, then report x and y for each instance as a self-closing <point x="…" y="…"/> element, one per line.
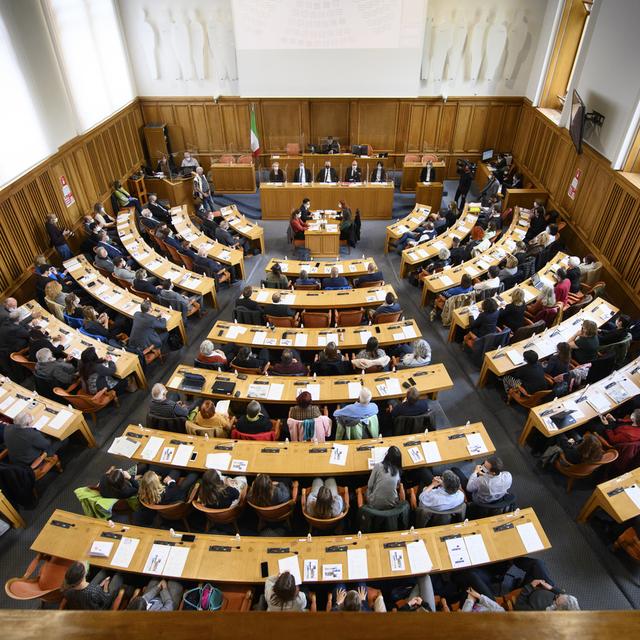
<point x="623" y="383"/>
<point x="347" y="338"/>
<point x="612" y="496"/>
<point x="219" y="558"/>
<point x="461" y="318"/>
<point x="51" y="418"/>
<point x="451" y="276"/>
<point x="158" y="265"/>
<point x="410" y="222"/>
<point x="187" y="229"/>
<point x="299" y="459"/>
<point x="324" y="389"/>
<point x="243" y="226"/>
<point x="324" y="300"/>
<point x="116" y="297"/>
<point x="348" y="268"/>
<point x="75" y="343"/>
<point x="413" y="256"/>
<point x="544" y="344"/>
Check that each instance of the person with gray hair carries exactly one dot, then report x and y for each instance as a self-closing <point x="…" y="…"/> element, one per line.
<point x="443" y="493"/>
<point x="102" y="260"/>
<point x="254" y="421"/>
<point x="209" y="357"/>
<point x="540" y="595"/>
<point x="359" y="410"/>
<point x="305" y="280"/>
<point x="372" y="275"/>
<point x="52" y="371"/>
<point x="163" y="407"/>
<point x="335" y="280"/>
<point x="574" y="273"/>
<point x="419" y="357"/>
<point x="25" y="443"/>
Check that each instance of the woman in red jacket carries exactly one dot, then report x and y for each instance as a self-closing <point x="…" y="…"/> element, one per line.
<point x="626" y="429"/>
<point x="562" y="287"/>
<point x="297" y="226"/>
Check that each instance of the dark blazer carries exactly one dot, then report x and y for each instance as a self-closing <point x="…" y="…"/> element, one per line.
<point x="340" y="281"/>
<point x="383" y="175"/>
<point x="353" y="175"/>
<point x="248" y="303"/>
<point x="371" y="277"/>
<point x="13" y="337"/>
<point x="512" y="316"/>
<point x="209" y="228"/>
<point x="332" y="173"/>
<point x="279" y="310"/>
<point x="261" y="425"/>
<point x="485" y="323"/>
<point x="145" y="286"/>
<point x="532" y="377"/>
<point x="144" y="330"/>
<point x="224" y="237"/>
<point x="149" y="223"/>
<point x="457" y="255"/>
<point x="167" y="409"/>
<point x="297" y="173"/>
<point x="56" y="235"/>
<point x="574" y="276"/>
<point x="25" y="444"/>
<point x="276" y="176"/>
<point x="423" y="175"/>
<point x="465" y="182"/>
<point x="160" y="213"/>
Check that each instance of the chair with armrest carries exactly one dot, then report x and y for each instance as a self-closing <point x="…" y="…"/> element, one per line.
<point x="316" y="319"/>
<point x="429" y="157"/>
<point x="121" y="282"/>
<point x="582" y="470"/>
<point x="248" y="316"/>
<point x="368" y="283"/>
<point x="325" y="524"/>
<point x="229" y="515"/>
<point x="177" y="511"/>
<point x="237" y="597"/>
<point x="321" y="429"/>
<point x="506" y="504"/>
<point x="144" y="295"/>
<point x="194" y="429"/>
<point x="349" y="318"/>
<point x="21" y="358"/>
<point x="411" y="157"/>
<point x="279" y="512"/>
<point x="227" y="159"/>
<point x="406" y="425"/>
<point x="528" y="330"/>
<point x="292" y="148"/>
<point x="527" y="400"/>
<point x="251" y="370"/>
<point x="86" y="402"/>
<point x="74" y="323"/>
<point x="44" y="463"/>
<point x="42" y="580"/>
<point x="370" y="520"/>
<point x="174" y="424"/>
<point x="386" y="318"/>
<point x="282" y="321"/>
<point x="271" y="436"/>
<point x="620" y="350"/>
<point x="426" y="517"/>
<point x="479" y="346"/>
<point x="577" y="307"/>
<point x="307" y="287"/>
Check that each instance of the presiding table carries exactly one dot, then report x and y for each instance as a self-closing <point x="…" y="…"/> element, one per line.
<point x="233" y="177"/>
<point x="318" y="270"/>
<point x="411" y="175"/>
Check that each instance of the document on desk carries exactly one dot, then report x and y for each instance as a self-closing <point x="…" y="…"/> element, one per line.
<point x="16" y="408"/>
<point x="275" y="391"/>
<point x="258" y="391"/>
<point x="123" y="446"/>
<point x="314" y="390"/>
<point x="357" y="566"/>
<point x="258" y="337"/>
<point x="364" y="336"/>
<point x="415" y="455"/>
<point x="339" y="454"/>
<point x="529" y="536"/>
<point x="292" y="565"/>
<point x="393" y="387"/>
<point x="431" y="452"/>
<point x="634" y="494"/>
<point x="41" y="422"/>
<point x="332" y="572"/>
<point x="354" y="389"/>
<point x="630" y="386"/>
<point x="177" y="558"/>
<point x="515" y="357"/>
<point x="475" y="443"/>
<point x="124" y="553"/>
<point x="262" y="296"/>
<point x="378" y="454"/>
<point x="476" y="549"/>
<point x="458" y="553"/>
<point x="310" y="570"/>
<point x="419" y="559"/>
<point x="396" y="559"/>
<point x="446" y="281"/>
<point x="151" y="448"/>
<point x="183" y="455"/>
<point x="599" y="402"/>
<point x="156" y="559"/>
<point x="301" y="340"/>
<point x="219" y="461"/>
<point x="100" y="549"/>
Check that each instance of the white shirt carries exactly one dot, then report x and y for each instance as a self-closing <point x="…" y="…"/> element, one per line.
<point x="379" y="174"/>
<point x="439" y="500"/>
<point x="327" y="174"/>
<point x="189" y="162"/>
<point x="486" y="487"/>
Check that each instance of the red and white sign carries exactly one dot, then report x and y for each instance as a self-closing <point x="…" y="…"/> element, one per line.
<point x="67" y="195"/>
<point x="573" y="187"/>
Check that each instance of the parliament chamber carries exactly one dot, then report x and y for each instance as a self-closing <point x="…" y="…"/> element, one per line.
<point x="320" y="307"/>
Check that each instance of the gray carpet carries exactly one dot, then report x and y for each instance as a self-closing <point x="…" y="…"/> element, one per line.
<point x="579" y="560"/>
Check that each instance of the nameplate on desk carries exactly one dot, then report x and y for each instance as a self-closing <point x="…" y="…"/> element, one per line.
<point x="503" y="527"/>
<point x="364" y="447"/>
<point x="166" y="543"/>
<point x="270" y="450"/>
<point x="335" y="548"/>
<point x="278" y="550"/>
<point x="318" y="450"/>
<point x="133" y="435"/>
<point x="63" y="525"/>
<point x="218" y="547"/>
<point x="109" y="534"/>
<point x="615" y="492"/>
<point x="224" y="447"/>
<point x="411" y="443"/>
<point x="455" y="436"/>
<point x="453" y="536"/>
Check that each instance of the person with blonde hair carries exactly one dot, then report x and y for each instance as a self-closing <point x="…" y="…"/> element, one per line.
<point x="510" y="268"/>
<point x="544" y="306"/>
<point x="513" y="314"/>
<point x="53" y="291"/>
<point x="154" y="490"/>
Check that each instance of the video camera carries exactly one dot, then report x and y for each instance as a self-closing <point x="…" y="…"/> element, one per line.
<point x="461" y="164"/>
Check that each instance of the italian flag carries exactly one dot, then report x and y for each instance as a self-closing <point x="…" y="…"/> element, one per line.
<point x="255" y="142"/>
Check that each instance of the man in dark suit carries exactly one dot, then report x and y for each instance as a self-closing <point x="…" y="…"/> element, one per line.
<point x="145" y="328"/>
<point x="25" y="443"/>
<point x="279" y="310"/>
<point x="371" y="276"/>
<point x="276" y="174"/>
<point x="144" y="284"/>
<point x="163" y="407"/>
<point x="379" y="174"/>
<point x="13" y="335"/>
<point x="209" y="226"/>
<point x="353" y="173"/>
<point x="466" y="178"/>
<point x="305" y="210"/>
<point x="224" y="236"/>
<point x="331" y="146"/>
<point x="301" y="174"/>
<point x="246" y="302"/>
<point x="327" y="173"/>
<point x="157" y="210"/>
<point x="428" y="173"/>
<point x="457" y="254"/>
<point x="148" y="221"/>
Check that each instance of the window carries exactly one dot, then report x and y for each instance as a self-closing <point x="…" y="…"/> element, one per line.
<point x="89" y="44"/>
<point x="23" y="140"/>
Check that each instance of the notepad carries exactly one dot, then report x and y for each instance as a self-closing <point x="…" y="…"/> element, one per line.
<point x="183" y="455"/>
<point x="292" y="565"/>
<point x="446" y="280"/>
<point x="634" y="494"/>
<point x="458" y="553"/>
<point x="357" y="566"/>
<point x="408" y="331"/>
<point x="176" y="560"/>
<point x="16" y="408"/>
<point x="475" y="444"/>
<point x="41" y="422"/>
<point x="100" y="549"/>
<point x="151" y="448"/>
<point x="419" y="559"/>
<point x="378" y="454"/>
<point x="124" y="553"/>
<point x="529" y="536"/>
<point x="339" y="454"/>
<point x="431" y="452"/>
<point x="354" y="389"/>
<point x="219" y="461"/>
<point x="396" y="559"/>
<point x="275" y="391"/>
<point x="599" y="402"/>
<point x="476" y="548"/>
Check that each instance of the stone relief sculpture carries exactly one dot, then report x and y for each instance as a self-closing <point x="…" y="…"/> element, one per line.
<point x="441" y="42"/>
<point x="180" y="44"/>
<point x="496" y="44"/>
<point x="518" y="45"/>
<point x="222" y="44"/>
<point x="148" y="41"/>
<point x="198" y="52"/>
<point x="476" y="45"/>
<point x="456" y="52"/>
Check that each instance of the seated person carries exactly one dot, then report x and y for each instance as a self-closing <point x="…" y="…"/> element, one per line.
<point x="97" y="373"/>
<point x="279" y="310"/>
<point x="276" y="279"/>
<point x="305" y="280"/>
<point x="97" y="595"/>
<point x="372" y="275"/>
<point x="224" y="236"/>
<point x="218" y="492"/>
<point x="412" y="405"/>
<point x="282" y="594"/>
<point x="246" y="360"/>
<point x="202" y="263"/>
<point x="118" y="483"/>
<point x="544" y="307"/>
<point x="53" y="291"/>
<point x="510" y="268"/>
<point x="163" y="407"/>
<point x="276" y="174"/>
<point x="492" y="281"/>
<point x="587" y="450"/>
<point x="144" y="284"/>
<point x="443" y="493"/>
<point x="487" y="319"/>
<point x="382" y="487"/>
<point x="124" y="198"/>
<point x="298" y="225"/>
<point x="148" y="222"/>
<point x="617" y="333"/>
<point x="574" y="273"/>
<point x="254" y="421"/>
<point x="335" y="281"/>
<point x="155" y="490"/>
<point x="289" y="365"/>
<point x="465" y="286"/>
<point x="98" y="325"/>
<point x="265" y="492"/>
<point x="246" y="302"/>
<point x="206" y="416"/>
<point x="457" y="253"/>
<point x="122" y="271"/>
<point x="330" y="353"/>
<point x="158" y="595"/>
<point x="563" y="286"/>
<point x="25" y="443"/>
<point x="72" y="306"/>
<point x="353" y="600"/>
<point x="38" y="339"/>
<point x="304" y="409"/>
<point x="512" y="314"/>
<point x="359" y="410"/>
<point x="58" y="373"/>
<point x="13" y="335"/>
<point x="559" y="364"/>
<point x="209" y="357"/>
<point x="419" y="357"/>
<point x="585" y="343"/>
<point x="187" y="305"/>
<point x="626" y="429"/>
<point x="479" y="603"/>
<point x="530" y="375"/>
<point x="489" y="482"/>
<point x="330" y="362"/>
<point x="540" y="595"/>
<point x="371" y="356"/>
<point x="324" y="501"/>
<point x="391" y="305"/>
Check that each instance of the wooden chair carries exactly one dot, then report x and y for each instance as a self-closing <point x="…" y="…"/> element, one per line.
<point x="307" y="287"/>
<point x="350" y="318"/>
<point x="411" y="157"/>
<point x="20" y="358"/>
<point x="368" y="283"/>
<point x="177" y="511"/>
<point x="229" y="515"/>
<point x="583" y="470"/>
<point x="558" y="317"/>
<point x="372" y="596"/>
<point x="56" y="309"/>
<point x="575" y="308"/>
<point x="187" y="262"/>
<point x="41" y="580"/>
<point x="429" y="156"/>
<point x="361" y="495"/>
<point x="252" y="370"/>
<point x="227" y="159"/>
<point x="144" y="295"/>
<point x="530" y="329"/>
<point x="527" y="400"/>
<point x="628" y="542"/>
<point x="316" y="319"/>
<point x="386" y="318"/>
<point x="85" y="402"/>
<point x="44" y="463"/>
<point x="194" y="429"/>
<point x="173" y="424"/>
<point x="282" y="321"/>
<point x="325" y="524"/>
<point x="237" y="597"/>
<point x="596" y="290"/>
<point x="278" y="513"/>
<point x="292" y="149"/>
<point x="245" y="159"/>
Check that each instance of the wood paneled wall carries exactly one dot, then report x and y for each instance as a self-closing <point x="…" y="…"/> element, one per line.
<point x="459" y="127"/>
<point x="604" y="216"/>
<point x="89" y="163"/>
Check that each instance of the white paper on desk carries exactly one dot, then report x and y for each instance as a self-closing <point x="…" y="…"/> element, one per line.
<point x="393" y="386"/>
<point x="100" y="549"/>
<point x="16" y="408"/>
<point x="301" y="340"/>
<point x="333" y="337"/>
<point x="322" y="341"/>
<point x="431" y="451"/>
<point x="354" y="389"/>
<point x="124" y="553"/>
<point x="262" y="296"/>
<point x="314" y="390"/>
<point x="225" y="254"/>
<point x="409" y="331"/>
<point x="515" y="357"/>
<point x="471" y="271"/>
<point x="475" y="443"/>
<point x="398" y="336"/>
<point x="413" y="255"/>
<point x="332" y="572"/>
<point x="634" y="494"/>
<point x="396" y="559"/>
<point x="123" y="446"/>
<point x="415" y="455"/>
<point x="2" y="391"/>
<point x="292" y="565"/>
<point x="481" y="264"/>
<point x="476" y="548"/>
<point x="100" y="290"/>
<point x="310" y="570"/>
<point x="222" y="407"/>
<point x="419" y="559"/>
<point x="599" y="402"/>
<point x="61" y="419"/>
<point x="41" y="422"/>
<point x="183" y="455"/>
<point x="458" y="553"/>
<point x="529" y="536"/>
<point x="381" y="294"/>
<point x="630" y="386"/>
<point x="275" y="391"/>
<point x="339" y="454"/>
<point x="156" y="559"/>
<point x="6" y="403"/>
<point x="73" y="267"/>
<point x="175" y="561"/>
<point x="258" y="337"/>
<point x="357" y="566"/>
<point x="529" y="296"/>
<point x="378" y="454"/>
<point x="422" y="253"/>
<point x="219" y="461"/>
<point x="446" y="280"/>
<point x="239" y="465"/>
<point x="151" y="448"/>
<point x="234" y="331"/>
<point x="258" y="391"/>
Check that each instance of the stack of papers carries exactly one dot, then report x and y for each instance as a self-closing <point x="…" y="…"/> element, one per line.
<point x="124" y="553"/>
<point x="166" y="560"/>
<point x="475" y="444"/>
<point x="100" y="549"/>
<point x="218" y="461"/>
<point x="529" y="536"/>
<point x="431" y="452"/>
<point x="123" y="446"/>
<point x="419" y="559"/>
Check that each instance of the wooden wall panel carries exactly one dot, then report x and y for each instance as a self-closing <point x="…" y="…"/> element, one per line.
<point x="377" y="124"/>
<point x="476" y="131"/>
<point x="509" y="127"/>
<point x="463" y="119"/>
<point x="281" y="123"/>
<point x="328" y="117"/>
<point x="432" y="125"/>
<point x="447" y="127"/>
<point x="493" y="127"/>
<point x="415" y="128"/>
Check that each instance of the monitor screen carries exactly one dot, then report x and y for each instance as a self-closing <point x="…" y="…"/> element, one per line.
<point x="487" y="154"/>
<point x="576" y="125"/>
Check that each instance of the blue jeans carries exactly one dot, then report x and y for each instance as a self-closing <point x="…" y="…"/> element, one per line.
<point x="208" y="203"/>
<point x="64" y="251"/>
<point x="404" y="240"/>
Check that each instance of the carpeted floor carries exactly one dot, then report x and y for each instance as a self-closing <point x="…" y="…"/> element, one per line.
<point x="579" y="560"/>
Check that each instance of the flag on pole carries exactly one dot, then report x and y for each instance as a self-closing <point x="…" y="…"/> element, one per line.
<point x="255" y="142"/>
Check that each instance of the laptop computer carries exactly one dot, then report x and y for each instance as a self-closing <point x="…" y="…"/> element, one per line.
<point x="223" y="387"/>
<point x="563" y="419"/>
<point x="192" y="382"/>
<point x="536" y="282"/>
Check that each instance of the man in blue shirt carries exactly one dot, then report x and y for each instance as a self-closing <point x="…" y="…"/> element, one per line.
<point x="412" y="405"/>
<point x="335" y="281"/>
<point x="359" y="410"/>
<point x="304" y="279"/>
<point x="390" y="305"/>
<point x="466" y="286"/>
<point x="371" y="276"/>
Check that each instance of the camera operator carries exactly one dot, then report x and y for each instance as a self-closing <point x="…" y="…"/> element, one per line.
<point x="465" y="170"/>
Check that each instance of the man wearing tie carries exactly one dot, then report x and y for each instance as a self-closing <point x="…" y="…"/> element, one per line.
<point x="276" y="174"/>
<point x="354" y="173"/>
<point x="327" y="174"/>
<point x="379" y="174"/>
<point x="428" y="173"/>
<point x="301" y="174"/>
